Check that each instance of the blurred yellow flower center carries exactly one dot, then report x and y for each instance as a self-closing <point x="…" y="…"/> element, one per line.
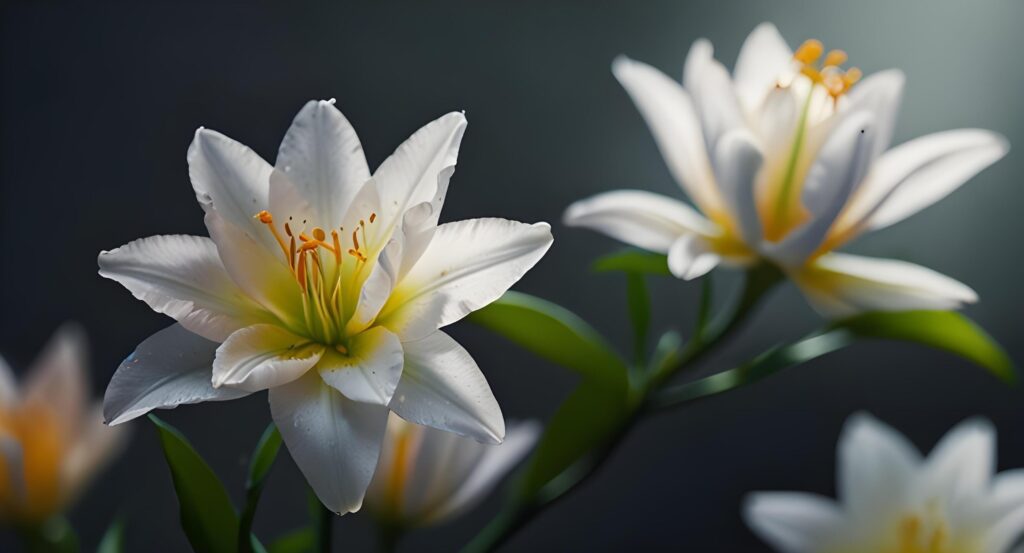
<point x="325" y="268"/>
<point x="826" y="72"/>
<point x="30" y="490"/>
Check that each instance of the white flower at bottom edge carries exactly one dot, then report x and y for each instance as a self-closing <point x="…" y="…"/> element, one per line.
<point x="891" y="500"/>
<point x="328" y="286"/>
<point x="52" y="439"/>
<point x="788" y="159"/>
<point x="426" y="476"/>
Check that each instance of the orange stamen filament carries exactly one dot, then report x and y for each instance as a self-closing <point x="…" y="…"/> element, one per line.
<point x="322" y="287"/>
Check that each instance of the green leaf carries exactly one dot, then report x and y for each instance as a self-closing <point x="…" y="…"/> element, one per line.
<point x="296" y="541"/>
<point x="262" y="459"/>
<point x="554" y="333"/>
<point x="587" y="418"/>
<point x="633" y="261"/>
<point x="943" y="330"/>
<point x="639" y="313"/>
<point x="207" y="515"/>
<point x="113" y="538"/>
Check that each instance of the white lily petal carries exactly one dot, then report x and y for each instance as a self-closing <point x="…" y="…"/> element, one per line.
<point x="691" y="257"/>
<point x="334" y="441"/>
<point x="488" y="469"/>
<point x="712" y="92"/>
<point x="443" y="388"/>
<point x="1008" y="509"/>
<point x="231" y="179"/>
<point x="182" y="277"/>
<point x="793" y="522"/>
<point x="963" y="463"/>
<point x="263" y="356"/>
<point x="287" y="204"/>
<point x="372" y="236"/>
<point x="420" y="168"/>
<point x="369" y="372"/>
<point x="763" y="57"/>
<point x="94" y="445"/>
<point x="876" y="467"/>
<point x="58" y="379"/>
<point x="419" y="223"/>
<point x="840" y="285"/>
<point x="322" y="155"/>
<point x="263" y="275"/>
<point x="436" y="463"/>
<point x="918" y="173"/>
<point x="8" y="384"/>
<point x="839" y="168"/>
<point x="467" y="265"/>
<point x="170" y="368"/>
<point x="675" y="124"/>
<point x="643" y="219"/>
<point x="12" y="455"/>
<point x="376" y="288"/>
<point x="879" y="94"/>
<point x="738" y="161"/>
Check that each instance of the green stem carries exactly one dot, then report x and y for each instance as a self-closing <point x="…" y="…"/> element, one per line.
<point x="759" y="280"/>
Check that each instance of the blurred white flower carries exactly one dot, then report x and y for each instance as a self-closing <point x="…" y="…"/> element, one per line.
<point x="787" y="160"/>
<point x="891" y="500"/>
<point x="425" y="476"/>
<point x="52" y="440"/>
<point x="327" y="286"/>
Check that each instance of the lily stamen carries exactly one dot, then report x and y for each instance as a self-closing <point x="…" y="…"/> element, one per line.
<point x="267" y="219"/>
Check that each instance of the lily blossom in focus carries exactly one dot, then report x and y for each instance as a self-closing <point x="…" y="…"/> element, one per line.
<point x="52" y="439"/>
<point x="328" y="286"/>
<point x="788" y="159"/>
<point x="893" y="500"/>
<point x="426" y="476"/>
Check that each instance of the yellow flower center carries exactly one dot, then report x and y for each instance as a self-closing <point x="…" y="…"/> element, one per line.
<point x="31" y="490"/>
<point x="923" y="535"/>
<point x="327" y="273"/>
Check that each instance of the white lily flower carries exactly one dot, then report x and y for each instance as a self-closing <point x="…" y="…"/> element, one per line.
<point x="52" y="441"/>
<point x="327" y="286"/>
<point x="787" y="160"/>
<point x="425" y="476"/>
<point x="891" y="500"/>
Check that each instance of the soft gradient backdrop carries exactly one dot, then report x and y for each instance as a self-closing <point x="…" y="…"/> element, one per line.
<point x="99" y="104"/>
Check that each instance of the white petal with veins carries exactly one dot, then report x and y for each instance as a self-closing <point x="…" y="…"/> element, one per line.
<point x="840" y="285"/>
<point x="170" y="368"/>
<point x="263" y="356"/>
<point x="443" y="388"/>
<point x="182" y="277"/>
<point x="322" y="155"/>
<point x="370" y="369"/>
<point x="334" y="441"/>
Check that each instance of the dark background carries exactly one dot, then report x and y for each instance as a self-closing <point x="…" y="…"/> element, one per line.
<point x="99" y="104"/>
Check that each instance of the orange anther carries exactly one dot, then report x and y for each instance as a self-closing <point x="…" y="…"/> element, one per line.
<point x="373" y="217"/>
<point x="265" y="217"/>
<point x="319" y="234"/>
<point x="835" y="58"/>
<point x="809" y="51"/>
